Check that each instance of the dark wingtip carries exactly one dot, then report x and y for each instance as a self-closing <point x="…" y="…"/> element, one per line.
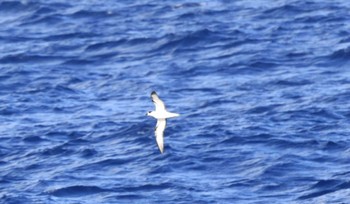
<point x="153" y="92"/>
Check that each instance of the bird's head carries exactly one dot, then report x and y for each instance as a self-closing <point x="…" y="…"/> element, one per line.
<point x="149" y="113"/>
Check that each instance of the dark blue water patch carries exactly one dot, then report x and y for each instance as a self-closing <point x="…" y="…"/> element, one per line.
<point x="68" y="36"/>
<point x="322" y="19"/>
<point x="16" y="6"/>
<point x="2" y="163"/>
<point x="342" y="174"/>
<point x="80" y="141"/>
<point x="57" y="150"/>
<point x="189" y="40"/>
<point x="293" y="82"/>
<point x="129" y="197"/>
<point x="286" y="144"/>
<point x="7" y="111"/>
<point x="252" y="139"/>
<point x="286" y="10"/>
<point x="34" y="139"/>
<point x="44" y="20"/>
<point x="88" y="152"/>
<point x="193" y="90"/>
<point x="324" y="187"/>
<point x="327" y="183"/>
<point x="346" y="39"/>
<point x="342" y="54"/>
<point x="341" y="97"/>
<point x="106" y="125"/>
<point x="316" y="115"/>
<point x="105" y="45"/>
<point x="104" y="164"/>
<point x="12" y="199"/>
<point x="148" y="187"/>
<point x="263" y="109"/>
<point x="297" y="54"/>
<point x="43" y="10"/>
<point x="77" y="62"/>
<point x="324" y="113"/>
<point x="77" y="191"/>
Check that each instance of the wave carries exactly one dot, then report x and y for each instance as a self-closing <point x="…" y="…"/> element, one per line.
<point x="341" y="54"/>
<point x="325" y="187"/>
<point x="77" y="191"/>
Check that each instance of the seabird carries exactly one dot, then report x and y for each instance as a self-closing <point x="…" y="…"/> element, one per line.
<point x="161" y="114"/>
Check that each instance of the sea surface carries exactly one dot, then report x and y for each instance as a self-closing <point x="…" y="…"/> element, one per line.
<point x="263" y="89"/>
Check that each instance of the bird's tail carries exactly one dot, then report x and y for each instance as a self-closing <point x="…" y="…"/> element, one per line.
<point x="173" y="115"/>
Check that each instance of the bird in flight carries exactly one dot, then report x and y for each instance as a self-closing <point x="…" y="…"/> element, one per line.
<point x="161" y="114"/>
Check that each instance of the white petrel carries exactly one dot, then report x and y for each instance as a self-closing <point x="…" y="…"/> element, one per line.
<point x="161" y="114"/>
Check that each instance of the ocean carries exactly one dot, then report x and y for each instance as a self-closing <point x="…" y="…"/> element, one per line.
<point x="263" y="89"/>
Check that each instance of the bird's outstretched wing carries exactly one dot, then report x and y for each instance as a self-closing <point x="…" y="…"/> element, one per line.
<point x="159" y="132"/>
<point x="159" y="104"/>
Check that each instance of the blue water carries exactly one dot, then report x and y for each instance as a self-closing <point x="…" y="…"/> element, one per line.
<point x="263" y="89"/>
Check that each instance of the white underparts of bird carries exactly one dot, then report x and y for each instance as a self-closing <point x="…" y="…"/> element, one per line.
<point x="161" y="114"/>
